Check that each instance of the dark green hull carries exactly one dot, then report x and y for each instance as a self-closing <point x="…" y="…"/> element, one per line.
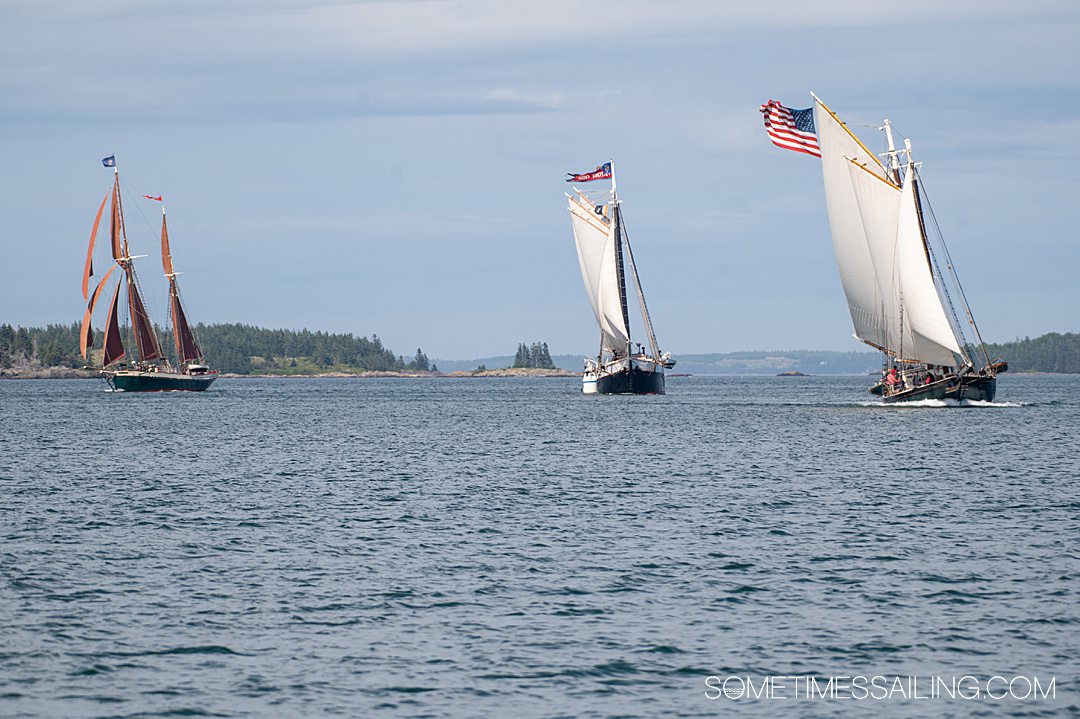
<point x="980" y="388"/>
<point x="159" y="381"/>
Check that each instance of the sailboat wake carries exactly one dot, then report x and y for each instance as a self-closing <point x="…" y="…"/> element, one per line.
<point x="913" y="404"/>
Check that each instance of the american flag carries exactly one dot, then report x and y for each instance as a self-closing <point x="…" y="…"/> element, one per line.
<point x="791" y="129"/>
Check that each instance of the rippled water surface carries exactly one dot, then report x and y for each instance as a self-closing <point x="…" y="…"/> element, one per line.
<point x="508" y="547"/>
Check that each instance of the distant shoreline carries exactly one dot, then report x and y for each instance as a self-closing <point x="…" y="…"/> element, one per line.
<point x="71" y="373"/>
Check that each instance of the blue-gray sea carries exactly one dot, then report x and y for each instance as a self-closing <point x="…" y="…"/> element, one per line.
<point x="509" y="547"/>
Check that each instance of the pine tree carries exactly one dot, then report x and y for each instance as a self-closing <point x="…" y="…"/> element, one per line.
<point x="521" y="359"/>
<point x="545" y="358"/>
<point x="420" y="361"/>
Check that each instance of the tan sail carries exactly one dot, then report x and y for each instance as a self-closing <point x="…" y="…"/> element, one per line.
<point x="88" y="270"/>
<point x="86" y="332"/>
<point x="166" y="253"/>
<point x="115" y="225"/>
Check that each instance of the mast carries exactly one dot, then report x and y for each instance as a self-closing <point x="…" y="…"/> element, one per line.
<point x="928" y="253"/>
<point x="619" y="269"/>
<point x="956" y="278"/>
<point x="187" y="349"/>
<point x="141" y="325"/>
<point x="894" y="161"/>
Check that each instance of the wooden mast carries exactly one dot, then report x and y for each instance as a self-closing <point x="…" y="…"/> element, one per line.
<point x="187" y="349"/>
<point x="620" y="271"/>
<point x="142" y="327"/>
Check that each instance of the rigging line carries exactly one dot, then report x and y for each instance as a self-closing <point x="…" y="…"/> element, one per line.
<point x="133" y="190"/>
<point x="640" y="291"/>
<point x="952" y="270"/>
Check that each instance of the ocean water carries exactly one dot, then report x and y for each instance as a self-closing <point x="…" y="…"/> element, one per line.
<point x="509" y="547"/>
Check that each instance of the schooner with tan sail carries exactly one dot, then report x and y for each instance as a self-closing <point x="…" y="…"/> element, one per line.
<point x="145" y="366"/>
<point x="902" y="290"/>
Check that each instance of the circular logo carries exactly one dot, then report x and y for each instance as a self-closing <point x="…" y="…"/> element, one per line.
<point x="734" y="688"/>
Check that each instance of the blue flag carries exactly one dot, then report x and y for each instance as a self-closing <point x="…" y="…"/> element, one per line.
<point x="109" y="161"/>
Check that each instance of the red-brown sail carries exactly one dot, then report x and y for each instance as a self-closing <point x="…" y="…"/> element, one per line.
<point x="143" y="329"/>
<point x="86" y="333"/>
<point x="88" y="270"/>
<point x="115" y="228"/>
<point x="114" y="346"/>
<point x="187" y="349"/>
<point x="166" y="255"/>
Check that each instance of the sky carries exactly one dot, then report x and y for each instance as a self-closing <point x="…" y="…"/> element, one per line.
<point x="396" y="167"/>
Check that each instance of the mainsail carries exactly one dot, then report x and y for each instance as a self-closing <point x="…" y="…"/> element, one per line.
<point x="857" y="275"/>
<point x="114" y="346"/>
<point x="141" y="325"/>
<point x="600" y="259"/>
<point x="881" y="250"/>
<point x="187" y="349"/>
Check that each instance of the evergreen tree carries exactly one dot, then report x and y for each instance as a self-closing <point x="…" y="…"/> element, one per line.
<point x="544" y="360"/>
<point x="521" y="359"/>
<point x="420" y="362"/>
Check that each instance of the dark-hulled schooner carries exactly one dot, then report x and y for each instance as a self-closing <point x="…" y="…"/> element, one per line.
<point x="600" y="237"/>
<point x="150" y="369"/>
<point x="902" y="289"/>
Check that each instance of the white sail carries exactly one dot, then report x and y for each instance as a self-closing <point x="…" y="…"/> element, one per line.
<point x="853" y="258"/>
<point x="932" y="338"/>
<point x="915" y="326"/>
<point x="595" y="238"/>
<point x="878" y="204"/>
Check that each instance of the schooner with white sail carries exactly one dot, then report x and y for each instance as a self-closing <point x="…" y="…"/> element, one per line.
<point x="620" y="366"/>
<point x="901" y="288"/>
<point x="149" y="369"/>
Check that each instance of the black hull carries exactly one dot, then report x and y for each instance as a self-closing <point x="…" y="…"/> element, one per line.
<point x="981" y="388"/>
<point x="633" y="381"/>
<point x="159" y="382"/>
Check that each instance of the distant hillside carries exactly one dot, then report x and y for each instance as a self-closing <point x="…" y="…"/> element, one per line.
<point x="244" y="349"/>
<point x="570" y="362"/>
<point x="807" y="361"/>
<point x="726" y="363"/>
<point x="238" y="348"/>
<point x="1053" y="352"/>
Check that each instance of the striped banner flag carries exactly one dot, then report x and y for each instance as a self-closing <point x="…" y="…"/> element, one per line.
<point x="791" y="129"/>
